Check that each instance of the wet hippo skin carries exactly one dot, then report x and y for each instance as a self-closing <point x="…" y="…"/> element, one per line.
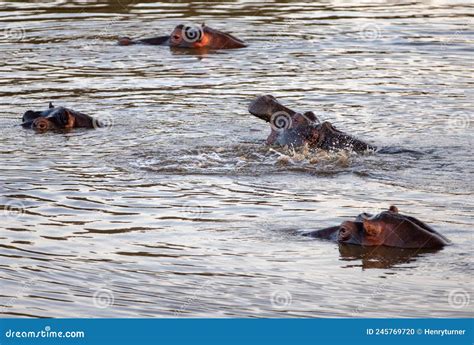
<point x="290" y="128"/>
<point x="191" y="36"/>
<point x="388" y="228"/>
<point x="57" y="118"/>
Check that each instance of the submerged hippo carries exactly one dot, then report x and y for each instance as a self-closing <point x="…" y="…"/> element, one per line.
<point x="297" y="129"/>
<point x="388" y="228"/>
<point x="191" y="36"/>
<point x="57" y="118"/>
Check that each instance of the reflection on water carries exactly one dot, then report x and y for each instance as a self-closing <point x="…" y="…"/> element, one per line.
<point x="178" y="209"/>
<point x="380" y="257"/>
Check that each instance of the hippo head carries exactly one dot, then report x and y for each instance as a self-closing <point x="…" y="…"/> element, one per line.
<point x="188" y="36"/>
<point x="288" y="127"/>
<point x="390" y="228"/>
<point x="54" y="118"/>
<point x="368" y="230"/>
<point x="202" y="37"/>
<point x="292" y="130"/>
<point x="351" y="233"/>
<point x="199" y="37"/>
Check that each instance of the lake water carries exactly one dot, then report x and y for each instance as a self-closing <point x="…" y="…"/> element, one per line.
<point x="178" y="209"/>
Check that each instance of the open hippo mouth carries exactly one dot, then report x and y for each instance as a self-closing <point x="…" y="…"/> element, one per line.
<point x="288" y="126"/>
<point x="291" y="128"/>
<point x="264" y="107"/>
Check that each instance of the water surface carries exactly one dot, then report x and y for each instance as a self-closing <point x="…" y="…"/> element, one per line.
<point x="178" y="209"/>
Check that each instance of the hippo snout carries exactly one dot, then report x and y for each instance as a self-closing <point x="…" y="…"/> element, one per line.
<point x="41" y="124"/>
<point x="125" y="41"/>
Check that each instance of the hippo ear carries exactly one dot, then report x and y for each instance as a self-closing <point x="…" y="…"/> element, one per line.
<point x="64" y="118"/>
<point x="311" y="117"/>
<point x="51" y="105"/>
<point x="371" y="228"/>
<point x="393" y="209"/>
<point x="70" y="119"/>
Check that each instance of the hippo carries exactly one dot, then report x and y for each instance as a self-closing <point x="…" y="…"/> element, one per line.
<point x="388" y="228"/>
<point x="191" y="36"/>
<point x="57" y="118"/>
<point x="290" y="128"/>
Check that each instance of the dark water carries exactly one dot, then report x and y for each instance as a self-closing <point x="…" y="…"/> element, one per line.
<point x="178" y="209"/>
